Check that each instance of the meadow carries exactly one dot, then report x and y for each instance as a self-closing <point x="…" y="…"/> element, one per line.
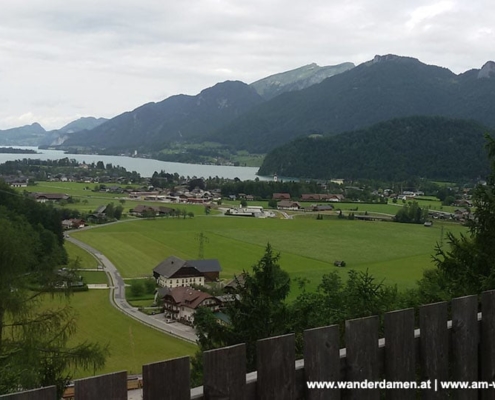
<point x="308" y="247"/>
<point x="130" y="343"/>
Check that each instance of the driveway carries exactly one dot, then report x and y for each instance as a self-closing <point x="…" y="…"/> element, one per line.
<point x="118" y="300"/>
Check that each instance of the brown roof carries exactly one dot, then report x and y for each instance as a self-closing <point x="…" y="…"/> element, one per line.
<point x="281" y="196"/>
<point x="186" y="296"/>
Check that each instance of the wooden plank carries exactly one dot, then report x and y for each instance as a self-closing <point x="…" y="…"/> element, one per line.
<point x="46" y="393"/>
<point x="224" y="373"/>
<point x="276" y="368"/>
<point x="110" y="386"/>
<point x="434" y="348"/>
<point x="167" y="380"/>
<point x="322" y="360"/>
<point x="361" y="338"/>
<point x="465" y="340"/>
<point x="487" y="345"/>
<point x="400" y="354"/>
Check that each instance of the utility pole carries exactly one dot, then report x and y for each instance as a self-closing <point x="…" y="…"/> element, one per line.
<point x="202" y="240"/>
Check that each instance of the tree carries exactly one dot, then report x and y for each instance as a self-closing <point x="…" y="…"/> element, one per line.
<point x="243" y="203"/>
<point x="468" y="265"/>
<point x="34" y="349"/>
<point x="258" y="311"/>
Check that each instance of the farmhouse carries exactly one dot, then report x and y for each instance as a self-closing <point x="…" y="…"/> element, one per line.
<point x="141" y="210"/>
<point x="288" y="205"/>
<point x="281" y="196"/>
<point x="180" y="303"/>
<point x="53" y="197"/>
<point x="174" y="272"/>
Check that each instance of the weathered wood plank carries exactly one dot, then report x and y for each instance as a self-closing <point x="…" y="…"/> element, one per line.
<point x="276" y="368"/>
<point x="46" y="393"/>
<point x="487" y="345"/>
<point x="465" y="341"/>
<point x="434" y="348"/>
<point x="400" y="354"/>
<point x="322" y="360"/>
<point x="224" y="373"/>
<point x="111" y="386"/>
<point x="167" y="380"/>
<point x="361" y="339"/>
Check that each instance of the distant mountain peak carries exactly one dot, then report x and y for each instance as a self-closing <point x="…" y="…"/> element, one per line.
<point x="297" y="79"/>
<point x="392" y="57"/>
<point x="487" y="71"/>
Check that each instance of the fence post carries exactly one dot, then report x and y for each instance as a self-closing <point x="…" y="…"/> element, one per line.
<point x="275" y="361"/>
<point x="465" y="340"/>
<point x="434" y="348"/>
<point x="322" y="361"/>
<point x="46" y="393"/>
<point x="224" y="373"/>
<point x="488" y="341"/>
<point x="400" y="353"/>
<point x="109" y="386"/>
<point x="361" y="340"/>
<point x="167" y="380"/>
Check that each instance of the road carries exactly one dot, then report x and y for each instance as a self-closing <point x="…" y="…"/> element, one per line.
<point x="118" y="300"/>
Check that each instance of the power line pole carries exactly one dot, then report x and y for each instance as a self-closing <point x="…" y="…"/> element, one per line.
<point x="202" y="240"/>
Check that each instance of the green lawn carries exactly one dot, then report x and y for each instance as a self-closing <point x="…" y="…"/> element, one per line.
<point x="397" y="252"/>
<point x="86" y="260"/>
<point x="93" y="277"/>
<point x="131" y="343"/>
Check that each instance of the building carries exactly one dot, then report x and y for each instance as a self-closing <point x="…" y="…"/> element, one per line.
<point x="180" y="303"/>
<point x="174" y="272"/>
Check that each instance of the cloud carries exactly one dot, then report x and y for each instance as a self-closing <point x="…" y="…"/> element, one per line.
<point x="61" y="59"/>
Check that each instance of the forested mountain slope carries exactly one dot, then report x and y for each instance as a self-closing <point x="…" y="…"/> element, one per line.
<point x="431" y="147"/>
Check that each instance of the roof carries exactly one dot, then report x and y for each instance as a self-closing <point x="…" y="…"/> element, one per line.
<point x="186" y="296"/>
<point x="169" y="266"/>
<point x="211" y="265"/>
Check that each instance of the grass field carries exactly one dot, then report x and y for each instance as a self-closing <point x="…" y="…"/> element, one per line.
<point x="131" y="343"/>
<point x="397" y="252"/>
<point x="93" y="277"/>
<point x="86" y="260"/>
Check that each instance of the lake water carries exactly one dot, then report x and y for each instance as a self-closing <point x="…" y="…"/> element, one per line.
<point x="144" y="166"/>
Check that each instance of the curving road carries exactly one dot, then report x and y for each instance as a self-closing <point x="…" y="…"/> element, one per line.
<point x="118" y="300"/>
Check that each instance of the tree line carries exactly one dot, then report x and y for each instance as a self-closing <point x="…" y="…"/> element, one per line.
<point x="34" y="339"/>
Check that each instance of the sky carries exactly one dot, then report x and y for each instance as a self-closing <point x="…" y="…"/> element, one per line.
<point x="61" y="60"/>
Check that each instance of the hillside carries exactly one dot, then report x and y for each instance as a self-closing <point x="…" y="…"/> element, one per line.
<point x="386" y="87"/>
<point x="176" y="118"/>
<point x="296" y="79"/>
<point x="430" y="147"/>
<point x="28" y="135"/>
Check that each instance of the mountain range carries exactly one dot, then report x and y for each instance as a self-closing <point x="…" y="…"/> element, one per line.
<point x="36" y="135"/>
<point x="303" y="102"/>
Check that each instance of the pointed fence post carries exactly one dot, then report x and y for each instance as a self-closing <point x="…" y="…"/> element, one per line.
<point x="276" y="368"/>
<point x="322" y="361"/>
<point x="167" y="380"/>
<point x="361" y="341"/>
<point x="225" y="373"/>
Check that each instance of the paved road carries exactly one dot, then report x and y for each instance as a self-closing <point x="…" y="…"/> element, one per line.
<point x="118" y="300"/>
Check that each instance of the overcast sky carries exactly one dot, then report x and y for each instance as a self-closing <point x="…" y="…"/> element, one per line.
<point x="64" y="59"/>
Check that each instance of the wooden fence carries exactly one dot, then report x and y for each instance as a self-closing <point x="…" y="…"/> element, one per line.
<point x="462" y="349"/>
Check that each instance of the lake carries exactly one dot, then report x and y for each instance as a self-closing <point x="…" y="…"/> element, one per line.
<point x="144" y="166"/>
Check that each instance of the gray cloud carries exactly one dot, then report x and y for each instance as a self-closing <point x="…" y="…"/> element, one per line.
<point x="65" y="59"/>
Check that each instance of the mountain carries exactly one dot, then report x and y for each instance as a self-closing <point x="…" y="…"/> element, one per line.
<point x="81" y="124"/>
<point x="176" y="118"/>
<point x="384" y="88"/>
<point x="297" y="79"/>
<point x="28" y="135"/>
<point x="59" y="136"/>
<point x="431" y="147"/>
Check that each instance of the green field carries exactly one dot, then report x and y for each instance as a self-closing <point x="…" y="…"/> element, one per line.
<point x="86" y="260"/>
<point x="93" y="277"/>
<point x="397" y="252"/>
<point x="131" y="343"/>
